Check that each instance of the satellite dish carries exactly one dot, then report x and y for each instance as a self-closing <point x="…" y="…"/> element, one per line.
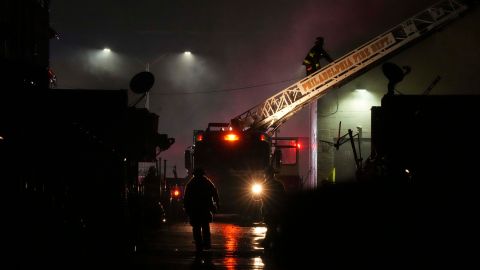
<point x="394" y="74"/>
<point x="142" y="82"/>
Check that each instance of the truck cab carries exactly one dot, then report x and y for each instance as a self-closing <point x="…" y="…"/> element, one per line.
<point x="236" y="160"/>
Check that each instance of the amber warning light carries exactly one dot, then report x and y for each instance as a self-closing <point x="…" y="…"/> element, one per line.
<point x="231" y="137"/>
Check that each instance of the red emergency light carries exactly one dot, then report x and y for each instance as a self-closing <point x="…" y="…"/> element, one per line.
<point x="175" y="192"/>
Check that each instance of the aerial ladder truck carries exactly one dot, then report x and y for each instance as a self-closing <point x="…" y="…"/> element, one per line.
<point x="235" y="154"/>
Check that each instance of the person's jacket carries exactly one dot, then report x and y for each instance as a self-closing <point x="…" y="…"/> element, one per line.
<point x="200" y="196"/>
<point x="312" y="60"/>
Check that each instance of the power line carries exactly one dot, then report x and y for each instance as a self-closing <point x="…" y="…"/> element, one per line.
<point x="223" y="90"/>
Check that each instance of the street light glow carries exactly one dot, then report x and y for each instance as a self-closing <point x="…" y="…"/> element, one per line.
<point x="186" y="58"/>
<point x="104" y="59"/>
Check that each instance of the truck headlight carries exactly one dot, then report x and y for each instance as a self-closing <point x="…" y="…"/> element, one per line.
<point x="257" y="189"/>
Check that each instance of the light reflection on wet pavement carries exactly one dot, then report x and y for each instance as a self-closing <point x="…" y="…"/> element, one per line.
<point x="233" y="247"/>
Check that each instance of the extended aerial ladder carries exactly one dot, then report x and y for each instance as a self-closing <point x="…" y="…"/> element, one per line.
<point x="270" y="114"/>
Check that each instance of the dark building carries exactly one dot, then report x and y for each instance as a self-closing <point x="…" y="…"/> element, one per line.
<point x="428" y="136"/>
<point x="24" y="51"/>
<point x="69" y="158"/>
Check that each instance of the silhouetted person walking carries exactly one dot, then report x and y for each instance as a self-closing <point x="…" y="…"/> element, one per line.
<point x="200" y="201"/>
<point x="273" y="205"/>
<point x="317" y="52"/>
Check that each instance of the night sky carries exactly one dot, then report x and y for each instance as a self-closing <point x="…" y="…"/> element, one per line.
<point x="242" y="52"/>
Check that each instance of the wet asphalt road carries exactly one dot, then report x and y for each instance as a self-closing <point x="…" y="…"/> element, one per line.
<point x="234" y="246"/>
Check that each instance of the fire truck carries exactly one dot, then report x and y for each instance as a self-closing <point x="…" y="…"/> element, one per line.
<point x="235" y="154"/>
<point x="235" y="160"/>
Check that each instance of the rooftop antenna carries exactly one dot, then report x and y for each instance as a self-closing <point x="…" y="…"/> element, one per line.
<point x="430" y="87"/>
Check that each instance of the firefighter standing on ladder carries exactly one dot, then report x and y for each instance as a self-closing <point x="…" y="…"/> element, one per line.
<point x="317" y="52"/>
